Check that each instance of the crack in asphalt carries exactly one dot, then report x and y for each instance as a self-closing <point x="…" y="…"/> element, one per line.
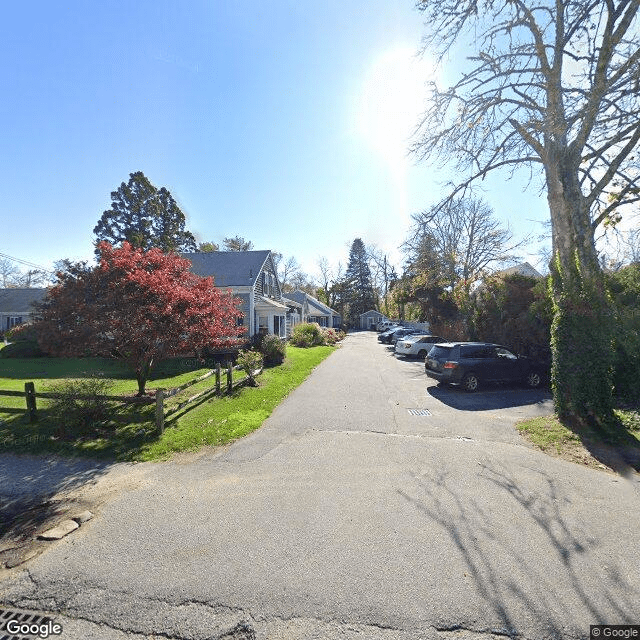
<point x="250" y="626"/>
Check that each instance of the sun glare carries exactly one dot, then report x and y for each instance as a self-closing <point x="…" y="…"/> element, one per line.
<point x="392" y="98"/>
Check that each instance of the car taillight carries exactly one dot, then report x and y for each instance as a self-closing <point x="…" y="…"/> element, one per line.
<point x="450" y="365"/>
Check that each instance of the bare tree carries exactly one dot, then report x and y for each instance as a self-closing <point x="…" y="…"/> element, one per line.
<point x="466" y="237"/>
<point x="290" y="273"/>
<point x="12" y="277"/>
<point x="330" y="282"/>
<point x="384" y="274"/>
<point x="32" y="278"/>
<point x="553" y="86"/>
<point x="9" y="273"/>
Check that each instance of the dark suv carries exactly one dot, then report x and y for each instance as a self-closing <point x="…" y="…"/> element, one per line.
<point x="472" y="363"/>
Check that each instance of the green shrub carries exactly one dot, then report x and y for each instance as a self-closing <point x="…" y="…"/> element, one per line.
<point x="81" y="406"/>
<point x="249" y="362"/>
<point x="273" y="349"/>
<point x="22" y="349"/>
<point x="307" y="334"/>
<point x="22" y="333"/>
<point x="626" y="359"/>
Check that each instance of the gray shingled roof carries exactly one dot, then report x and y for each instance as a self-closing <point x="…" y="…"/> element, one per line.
<point x="20" y="300"/>
<point x="228" y="268"/>
<point x="300" y="296"/>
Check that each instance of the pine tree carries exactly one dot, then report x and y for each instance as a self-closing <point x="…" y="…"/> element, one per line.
<point x="358" y="289"/>
<point x="145" y="217"/>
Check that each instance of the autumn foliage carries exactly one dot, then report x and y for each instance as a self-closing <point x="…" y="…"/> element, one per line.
<point x="138" y="306"/>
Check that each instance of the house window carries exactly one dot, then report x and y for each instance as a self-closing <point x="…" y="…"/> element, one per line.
<point x="240" y="321"/>
<point x="13" y="321"/>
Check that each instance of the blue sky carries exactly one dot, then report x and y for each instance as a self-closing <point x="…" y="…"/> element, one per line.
<point x="281" y="121"/>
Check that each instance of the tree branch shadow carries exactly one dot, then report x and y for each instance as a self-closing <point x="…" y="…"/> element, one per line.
<point x="485" y="545"/>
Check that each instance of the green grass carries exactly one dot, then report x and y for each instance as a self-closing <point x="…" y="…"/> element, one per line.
<point x="130" y="434"/>
<point x="547" y="432"/>
<point x="585" y="445"/>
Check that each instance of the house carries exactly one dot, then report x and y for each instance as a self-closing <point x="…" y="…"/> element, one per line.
<point x="316" y="311"/>
<point x="370" y="319"/>
<point x="522" y="269"/>
<point x="17" y="306"/>
<point x="297" y="311"/>
<point x="252" y="277"/>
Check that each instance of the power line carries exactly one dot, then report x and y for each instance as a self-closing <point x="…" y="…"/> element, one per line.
<point x="26" y="263"/>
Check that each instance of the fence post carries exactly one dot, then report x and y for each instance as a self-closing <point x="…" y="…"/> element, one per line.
<point x="30" y="395"/>
<point x="160" y="410"/>
<point x="229" y="377"/>
<point x="218" y="375"/>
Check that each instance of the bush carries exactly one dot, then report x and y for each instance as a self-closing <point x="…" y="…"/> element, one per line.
<point x="22" y="333"/>
<point x="331" y="336"/>
<point x="273" y="349"/>
<point x="22" y="349"/>
<point x="307" y="334"/>
<point x="249" y="362"/>
<point x="81" y="406"/>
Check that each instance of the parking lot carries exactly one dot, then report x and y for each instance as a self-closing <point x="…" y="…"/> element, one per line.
<point x="488" y="414"/>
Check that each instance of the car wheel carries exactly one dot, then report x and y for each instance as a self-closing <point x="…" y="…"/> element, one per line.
<point x="470" y="382"/>
<point x="533" y="380"/>
<point x="422" y="354"/>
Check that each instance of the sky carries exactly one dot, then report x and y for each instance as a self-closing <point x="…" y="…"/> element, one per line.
<point x="286" y="122"/>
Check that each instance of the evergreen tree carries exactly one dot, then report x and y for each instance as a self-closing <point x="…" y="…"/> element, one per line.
<point x="237" y="243"/>
<point x="145" y="217"/>
<point x="358" y="289"/>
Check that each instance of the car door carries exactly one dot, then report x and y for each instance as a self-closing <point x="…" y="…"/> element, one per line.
<point x="476" y="359"/>
<point x="507" y="365"/>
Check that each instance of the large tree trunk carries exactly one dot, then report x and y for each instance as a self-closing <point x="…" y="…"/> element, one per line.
<point x="582" y="328"/>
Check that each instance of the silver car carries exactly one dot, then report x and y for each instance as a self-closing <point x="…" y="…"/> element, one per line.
<point x="417" y="346"/>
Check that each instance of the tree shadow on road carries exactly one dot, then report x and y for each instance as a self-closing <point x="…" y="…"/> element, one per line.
<point x="33" y="493"/>
<point x="556" y="592"/>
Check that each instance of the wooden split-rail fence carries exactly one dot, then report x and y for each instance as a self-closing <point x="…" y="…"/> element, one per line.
<point x="161" y="394"/>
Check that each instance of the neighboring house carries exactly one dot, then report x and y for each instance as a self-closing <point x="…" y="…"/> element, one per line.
<point x="370" y="319"/>
<point x="523" y="269"/>
<point x="316" y="311"/>
<point x="296" y="313"/>
<point x="251" y="276"/>
<point x="17" y="306"/>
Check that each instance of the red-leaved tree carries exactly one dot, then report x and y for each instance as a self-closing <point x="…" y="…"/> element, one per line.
<point x="138" y="306"/>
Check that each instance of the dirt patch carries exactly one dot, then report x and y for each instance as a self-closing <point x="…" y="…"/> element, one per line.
<point x="573" y="452"/>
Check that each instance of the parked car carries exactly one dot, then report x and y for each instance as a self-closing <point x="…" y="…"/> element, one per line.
<point x="385" y="325"/>
<point x="416" y="346"/>
<point x="471" y="364"/>
<point x="382" y="337"/>
<point x="397" y="334"/>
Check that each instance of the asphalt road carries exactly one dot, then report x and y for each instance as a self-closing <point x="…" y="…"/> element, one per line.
<point x="347" y="516"/>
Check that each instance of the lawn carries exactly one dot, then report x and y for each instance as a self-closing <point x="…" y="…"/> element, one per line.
<point x="130" y="434"/>
<point x="617" y="449"/>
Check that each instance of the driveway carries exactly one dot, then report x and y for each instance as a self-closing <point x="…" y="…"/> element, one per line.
<point x="349" y="516"/>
